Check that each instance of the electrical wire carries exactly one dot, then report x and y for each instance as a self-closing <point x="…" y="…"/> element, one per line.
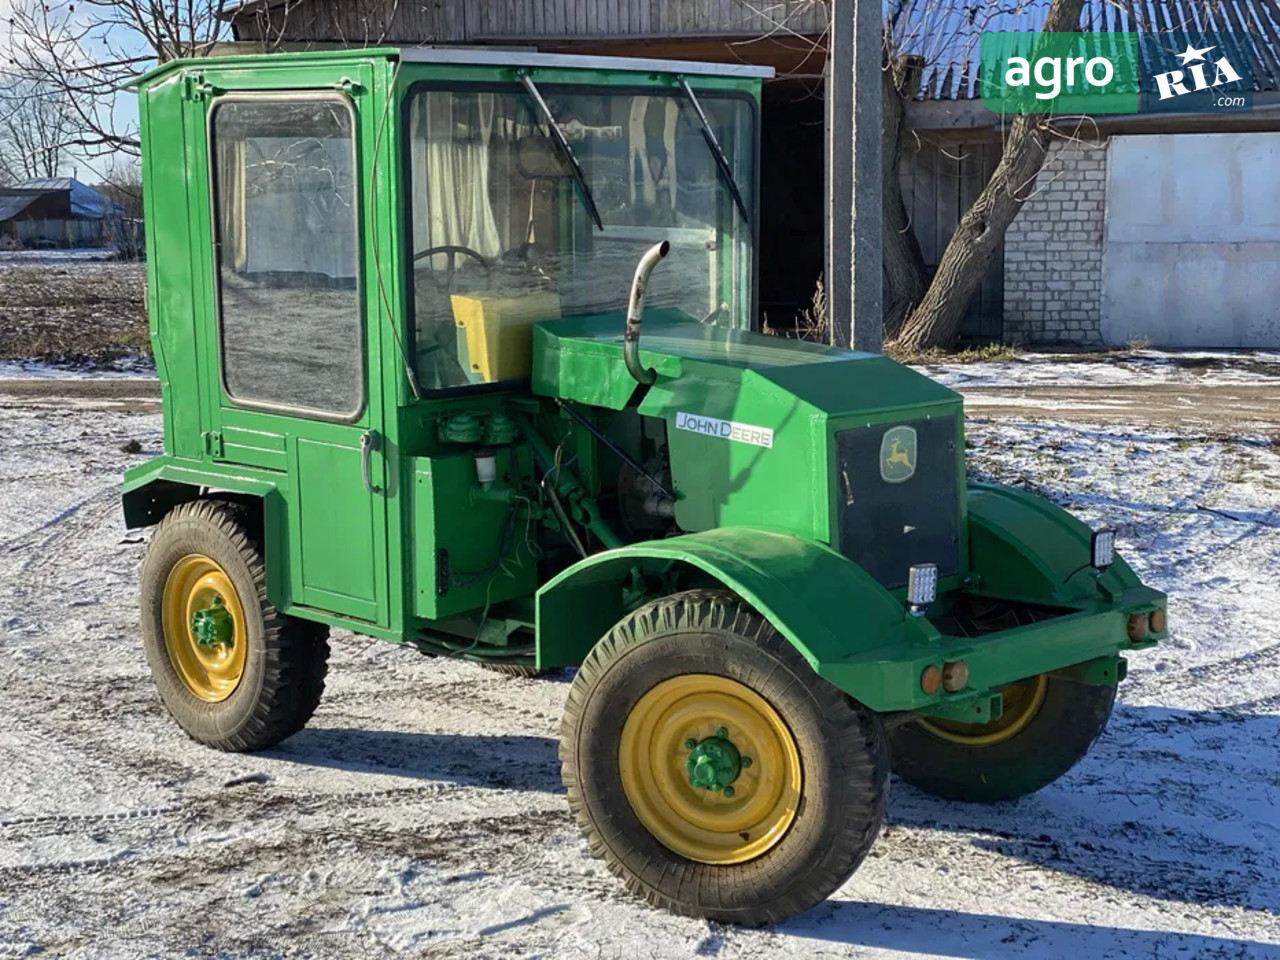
<point x="377" y="260"/>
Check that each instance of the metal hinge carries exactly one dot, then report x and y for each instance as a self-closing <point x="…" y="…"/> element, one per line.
<point x="195" y="87"/>
<point x="213" y="443"/>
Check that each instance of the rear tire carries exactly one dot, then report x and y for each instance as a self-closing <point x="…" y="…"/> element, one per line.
<point x="755" y="846"/>
<point x="1052" y="725"/>
<point x="247" y="676"/>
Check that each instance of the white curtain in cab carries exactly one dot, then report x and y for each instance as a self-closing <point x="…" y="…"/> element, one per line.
<point x="451" y="139"/>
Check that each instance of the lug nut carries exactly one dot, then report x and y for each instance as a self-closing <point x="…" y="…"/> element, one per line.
<point x="728" y="791"/>
<point x="722" y="733"/>
<point x="745" y="762"/>
<point x="690" y="743"/>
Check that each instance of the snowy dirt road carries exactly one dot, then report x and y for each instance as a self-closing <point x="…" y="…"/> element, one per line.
<point x="421" y="813"/>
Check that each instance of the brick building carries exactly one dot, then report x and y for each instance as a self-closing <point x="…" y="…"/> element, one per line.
<point x="1053" y="253"/>
<point x="1150" y="227"/>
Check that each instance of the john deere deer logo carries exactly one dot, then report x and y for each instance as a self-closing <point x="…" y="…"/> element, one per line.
<point x="898" y="454"/>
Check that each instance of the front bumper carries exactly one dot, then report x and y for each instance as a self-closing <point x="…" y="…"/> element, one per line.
<point x="889" y="677"/>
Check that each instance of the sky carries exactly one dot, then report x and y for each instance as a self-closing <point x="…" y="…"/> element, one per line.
<point x="124" y="113"/>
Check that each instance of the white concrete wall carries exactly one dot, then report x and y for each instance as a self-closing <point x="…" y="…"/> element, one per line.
<point x="1192" y="248"/>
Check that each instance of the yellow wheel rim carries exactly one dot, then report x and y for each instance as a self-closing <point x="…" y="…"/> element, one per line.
<point x="710" y="825"/>
<point x="1022" y="701"/>
<point x="204" y="630"/>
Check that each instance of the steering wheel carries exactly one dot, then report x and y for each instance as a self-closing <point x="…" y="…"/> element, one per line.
<point x="452" y="251"/>
<point x="529" y="260"/>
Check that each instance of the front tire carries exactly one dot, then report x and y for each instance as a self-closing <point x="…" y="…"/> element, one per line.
<point x="713" y="770"/>
<point x="234" y="673"/>
<point x="1048" y="725"/>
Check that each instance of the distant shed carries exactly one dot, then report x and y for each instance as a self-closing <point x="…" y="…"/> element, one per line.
<point x="58" y="211"/>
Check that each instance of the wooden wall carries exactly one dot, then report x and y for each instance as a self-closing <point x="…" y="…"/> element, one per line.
<point x="478" y="21"/>
<point x="940" y="182"/>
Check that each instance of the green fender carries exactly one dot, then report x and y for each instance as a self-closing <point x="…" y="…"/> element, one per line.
<point x="829" y="608"/>
<point x="154" y="488"/>
<point x="1023" y="547"/>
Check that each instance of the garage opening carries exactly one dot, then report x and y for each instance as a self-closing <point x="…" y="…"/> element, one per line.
<point x="792" y="227"/>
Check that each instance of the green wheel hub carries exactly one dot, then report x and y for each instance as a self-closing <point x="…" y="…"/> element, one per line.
<point x="715" y="763"/>
<point x="213" y="625"/>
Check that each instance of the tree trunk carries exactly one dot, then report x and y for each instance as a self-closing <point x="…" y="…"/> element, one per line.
<point x="904" y="267"/>
<point x="935" y="322"/>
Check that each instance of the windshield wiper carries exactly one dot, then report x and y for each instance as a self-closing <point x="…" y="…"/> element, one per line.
<point x="721" y="160"/>
<point x="561" y="141"/>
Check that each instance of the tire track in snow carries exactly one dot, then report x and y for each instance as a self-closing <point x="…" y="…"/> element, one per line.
<point x="1183" y="678"/>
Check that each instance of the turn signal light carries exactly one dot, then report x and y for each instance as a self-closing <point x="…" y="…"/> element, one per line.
<point x="930" y="680"/>
<point x="1158" y="620"/>
<point x="1137" y="627"/>
<point x="955" y="676"/>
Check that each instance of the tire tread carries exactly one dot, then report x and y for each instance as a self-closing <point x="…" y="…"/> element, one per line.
<point x="295" y="652"/>
<point x="741" y="893"/>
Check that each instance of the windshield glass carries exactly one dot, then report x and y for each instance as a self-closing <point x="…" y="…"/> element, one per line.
<point x="502" y="232"/>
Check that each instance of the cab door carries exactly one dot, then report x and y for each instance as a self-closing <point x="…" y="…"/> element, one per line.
<point x="296" y="352"/>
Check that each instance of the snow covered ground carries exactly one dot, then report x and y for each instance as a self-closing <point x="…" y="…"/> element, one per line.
<point x="1100" y="371"/>
<point x="421" y="812"/>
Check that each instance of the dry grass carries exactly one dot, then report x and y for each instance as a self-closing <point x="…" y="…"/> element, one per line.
<point x="989" y="351"/>
<point x="812" y="325"/>
<point x="83" y="313"/>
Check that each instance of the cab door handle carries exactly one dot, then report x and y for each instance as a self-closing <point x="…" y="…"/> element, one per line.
<point x="369" y="442"/>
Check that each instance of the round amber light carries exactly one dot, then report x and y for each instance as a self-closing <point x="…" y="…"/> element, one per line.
<point x="931" y="680"/>
<point x="1137" y="627"/>
<point x="955" y="676"/>
<point x="1159" y="620"/>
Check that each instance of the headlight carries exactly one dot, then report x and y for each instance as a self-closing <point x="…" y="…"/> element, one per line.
<point x="1102" y="549"/>
<point x="922" y="587"/>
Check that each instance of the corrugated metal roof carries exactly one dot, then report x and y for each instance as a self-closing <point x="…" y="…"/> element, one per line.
<point x="945" y="33"/>
<point x="13" y="203"/>
<point x="86" y="202"/>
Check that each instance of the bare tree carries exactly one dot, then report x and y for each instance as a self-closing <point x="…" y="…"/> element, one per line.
<point x="122" y="185"/>
<point x="904" y="268"/>
<point x="87" y="49"/>
<point x="36" y="123"/>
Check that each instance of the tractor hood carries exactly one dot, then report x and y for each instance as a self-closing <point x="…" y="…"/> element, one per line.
<point x="581" y="359"/>
<point x="850" y="449"/>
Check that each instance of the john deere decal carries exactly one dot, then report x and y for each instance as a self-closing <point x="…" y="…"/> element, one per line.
<point x="898" y="454"/>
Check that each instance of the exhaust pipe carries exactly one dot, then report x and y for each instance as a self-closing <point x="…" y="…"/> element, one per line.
<point x="635" y="313"/>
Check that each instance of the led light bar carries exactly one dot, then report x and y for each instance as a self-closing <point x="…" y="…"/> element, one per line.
<point x="1102" y="549"/>
<point x="922" y="587"/>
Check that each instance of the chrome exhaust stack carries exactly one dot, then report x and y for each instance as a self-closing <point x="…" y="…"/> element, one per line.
<point x="635" y="313"/>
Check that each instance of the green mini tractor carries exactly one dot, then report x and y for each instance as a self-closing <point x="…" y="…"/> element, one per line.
<point x="456" y="351"/>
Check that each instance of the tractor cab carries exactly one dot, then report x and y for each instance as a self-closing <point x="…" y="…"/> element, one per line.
<point x="350" y="252"/>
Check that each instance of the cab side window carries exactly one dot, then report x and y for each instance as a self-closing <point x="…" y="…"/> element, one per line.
<point x="284" y="193"/>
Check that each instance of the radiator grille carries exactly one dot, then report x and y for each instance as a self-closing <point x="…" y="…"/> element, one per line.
<point x="899" y="497"/>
